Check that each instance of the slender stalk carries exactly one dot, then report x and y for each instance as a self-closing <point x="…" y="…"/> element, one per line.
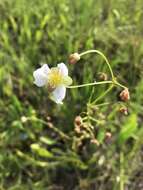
<point x="103" y="56"/>
<point x="98" y="83"/>
<point x="63" y="135"/>
<point x="102" y="95"/>
<point x="102" y="104"/>
<point x="118" y="84"/>
<point x="91" y="84"/>
<point x="93" y="119"/>
<point x="91" y="95"/>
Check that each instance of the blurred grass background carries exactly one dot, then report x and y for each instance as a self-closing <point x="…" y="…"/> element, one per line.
<point x="36" y="136"/>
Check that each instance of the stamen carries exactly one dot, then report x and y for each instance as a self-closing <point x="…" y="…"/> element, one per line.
<point x="55" y="78"/>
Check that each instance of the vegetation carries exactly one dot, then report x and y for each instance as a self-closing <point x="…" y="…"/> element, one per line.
<point x="40" y="143"/>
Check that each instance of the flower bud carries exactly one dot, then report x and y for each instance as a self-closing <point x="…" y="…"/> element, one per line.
<point x="74" y="58"/>
<point x="124" y="110"/>
<point x="95" y="141"/>
<point x="108" y="135"/>
<point x="125" y="95"/>
<point x="48" y="118"/>
<point x="24" y="119"/>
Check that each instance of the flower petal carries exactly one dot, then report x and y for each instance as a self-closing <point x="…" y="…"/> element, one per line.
<point x="63" y="69"/>
<point x="59" y="94"/>
<point x="41" y="75"/>
<point x="45" y="69"/>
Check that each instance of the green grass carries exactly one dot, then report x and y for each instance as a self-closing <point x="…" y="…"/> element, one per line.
<point x="39" y="148"/>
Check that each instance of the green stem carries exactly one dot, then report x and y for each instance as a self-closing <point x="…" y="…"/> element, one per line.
<point x="102" y="104"/>
<point x="103" y="56"/>
<point x="63" y="135"/>
<point x="91" y="95"/>
<point x="95" y="120"/>
<point x="114" y="82"/>
<point x="91" y="84"/>
<point x="118" y="84"/>
<point x="102" y="95"/>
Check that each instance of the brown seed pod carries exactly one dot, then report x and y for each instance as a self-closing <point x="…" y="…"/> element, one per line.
<point x="78" y="121"/>
<point x="125" y="95"/>
<point x="74" y="58"/>
<point x="108" y="135"/>
<point x="103" y="76"/>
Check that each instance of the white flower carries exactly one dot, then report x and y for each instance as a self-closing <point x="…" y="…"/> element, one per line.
<point x="56" y="79"/>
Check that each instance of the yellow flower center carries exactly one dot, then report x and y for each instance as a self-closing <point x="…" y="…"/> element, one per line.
<point x="55" y="78"/>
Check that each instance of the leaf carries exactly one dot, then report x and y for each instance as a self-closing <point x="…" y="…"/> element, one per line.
<point x="17" y="124"/>
<point x="13" y="23"/>
<point x="128" y="129"/>
<point x="16" y="103"/>
<point x="38" y="35"/>
<point x="33" y="161"/>
<point x="47" y="141"/>
<point x="41" y="151"/>
<point x="101" y="135"/>
<point x="45" y="21"/>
